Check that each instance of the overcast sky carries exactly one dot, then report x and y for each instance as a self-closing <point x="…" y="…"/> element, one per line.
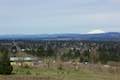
<point x="58" y="16"/>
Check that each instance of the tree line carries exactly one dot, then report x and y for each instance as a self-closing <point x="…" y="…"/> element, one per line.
<point x="85" y="51"/>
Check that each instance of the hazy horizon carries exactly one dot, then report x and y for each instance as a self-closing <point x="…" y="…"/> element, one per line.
<point x="59" y="16"/>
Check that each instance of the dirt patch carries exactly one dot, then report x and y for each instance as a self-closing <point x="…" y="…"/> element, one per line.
<point x="14" y="77"/>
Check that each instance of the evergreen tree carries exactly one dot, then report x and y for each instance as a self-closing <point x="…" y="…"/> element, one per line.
<point x="5" y="66"/>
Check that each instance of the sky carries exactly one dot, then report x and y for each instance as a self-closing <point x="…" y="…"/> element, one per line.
<point x="59" y="16"/>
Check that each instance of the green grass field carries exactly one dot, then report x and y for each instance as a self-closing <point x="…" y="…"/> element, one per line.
<point x="67" y="73"/>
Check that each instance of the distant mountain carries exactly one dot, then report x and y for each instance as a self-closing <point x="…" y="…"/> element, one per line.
<point x="96" y="31"/>
<point x="110" y="36"/>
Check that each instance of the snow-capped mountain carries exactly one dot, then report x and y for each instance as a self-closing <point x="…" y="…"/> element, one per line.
<point x="96" y="31"/>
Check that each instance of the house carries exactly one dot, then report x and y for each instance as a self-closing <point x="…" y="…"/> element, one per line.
<point x="19" y="61"/>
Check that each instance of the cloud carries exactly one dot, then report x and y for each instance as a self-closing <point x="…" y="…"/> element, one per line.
<point x="112" y="16"/>
<point x="115" y="1"/>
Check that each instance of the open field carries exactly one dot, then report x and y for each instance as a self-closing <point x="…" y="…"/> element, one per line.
<point x="84" y="72"/>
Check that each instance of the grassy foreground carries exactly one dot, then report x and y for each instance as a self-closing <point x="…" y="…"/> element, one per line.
<point x="67" y="73"/>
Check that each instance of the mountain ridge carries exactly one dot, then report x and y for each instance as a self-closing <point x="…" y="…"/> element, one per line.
<point x="109" y="36"/>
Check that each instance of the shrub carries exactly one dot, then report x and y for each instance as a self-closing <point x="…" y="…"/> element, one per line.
<point x="60" y="67"/>
<point x="5" y="66"/>
<point x="28" y="72"/>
